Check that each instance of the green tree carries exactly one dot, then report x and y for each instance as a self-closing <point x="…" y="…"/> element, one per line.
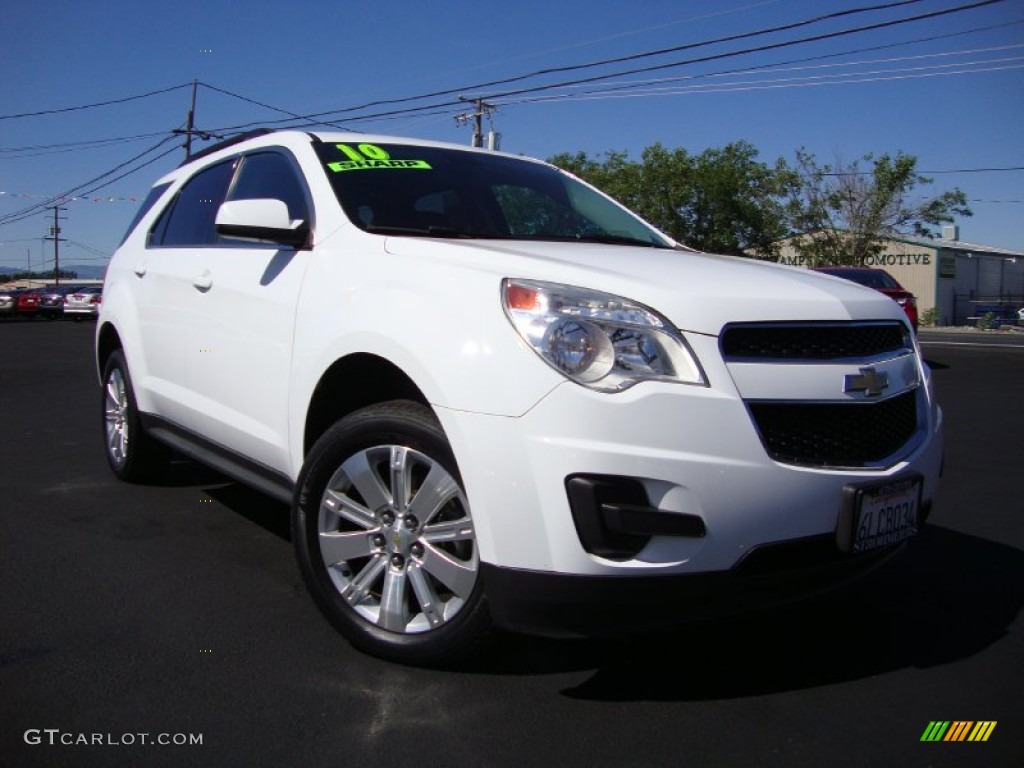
<point x="720" y="201"/>
<point x="842" y="215"/>
<point x="65" y="274"/>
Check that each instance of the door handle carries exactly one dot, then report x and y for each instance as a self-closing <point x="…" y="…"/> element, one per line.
<point x="140" y="269"/>
<point x="204" y="281"/>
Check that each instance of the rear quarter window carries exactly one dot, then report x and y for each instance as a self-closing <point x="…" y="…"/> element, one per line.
<point x="154" y="194"/>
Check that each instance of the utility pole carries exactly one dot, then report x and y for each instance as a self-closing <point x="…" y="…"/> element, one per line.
<point x="190" y="124"/>
<point x="57" y="239"/>
<point x="482" y="109"/>
<point x="190" y="127"/>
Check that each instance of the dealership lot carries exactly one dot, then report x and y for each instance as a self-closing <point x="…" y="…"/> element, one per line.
<point x="177" y="610"/>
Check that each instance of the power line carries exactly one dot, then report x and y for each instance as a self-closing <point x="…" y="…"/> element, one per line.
<point x="553" y="70"/>
<point x="261" y="104"/>
<point x="805" y="81"/>
<point x="978" y="170"/>
<point x="630" y="33"/>
<point x="129" y="172"/>
<point x="779" y="65"/>
<point x="704" y="43"/>
<point x="96" y="104"/>
<point x="35" y="208"/>
<point x="756" y="49"/>
<point x="1005" y="169"/>
<point x="86" y="143"/>
<point x="42" y="149"/>
<point x="102" y="254"/>
<point x="597" y="78"/>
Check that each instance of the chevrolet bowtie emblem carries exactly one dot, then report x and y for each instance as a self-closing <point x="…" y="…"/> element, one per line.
<point x="869" y="381"/>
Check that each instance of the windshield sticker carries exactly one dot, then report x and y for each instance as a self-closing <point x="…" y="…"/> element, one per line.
<point x="372" y="157"/>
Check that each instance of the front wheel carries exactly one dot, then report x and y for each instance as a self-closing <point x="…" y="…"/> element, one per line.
<point x="385" y="539"/>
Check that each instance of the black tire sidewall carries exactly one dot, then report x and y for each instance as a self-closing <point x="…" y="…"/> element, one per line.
<point x="396" y="423"/>
<point x="143" y="456"/>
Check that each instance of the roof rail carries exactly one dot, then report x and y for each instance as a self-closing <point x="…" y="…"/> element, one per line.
<point x="227" y="143"/>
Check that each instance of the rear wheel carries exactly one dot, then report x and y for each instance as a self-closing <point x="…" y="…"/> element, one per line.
<point x="385" y="539"/>
<point x="131" y="453"/>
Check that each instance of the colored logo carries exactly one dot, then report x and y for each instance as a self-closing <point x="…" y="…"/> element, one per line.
<point x="372" y="157"/>
<point x="958" y="730"/>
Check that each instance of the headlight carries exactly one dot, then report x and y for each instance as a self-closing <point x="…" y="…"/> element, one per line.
<point x="601" y="341"/>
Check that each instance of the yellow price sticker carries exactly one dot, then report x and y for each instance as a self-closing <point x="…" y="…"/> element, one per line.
<point x="371" y="157"/>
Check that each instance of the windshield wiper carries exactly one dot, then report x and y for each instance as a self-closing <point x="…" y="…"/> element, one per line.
<point x="604" y="238"/>
<point x="431" y="231"/>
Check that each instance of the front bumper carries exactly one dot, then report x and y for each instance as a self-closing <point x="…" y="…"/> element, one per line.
<point x="694" y="450"/>
<point x="73" y="311"/>
<point x="568" y="605"/>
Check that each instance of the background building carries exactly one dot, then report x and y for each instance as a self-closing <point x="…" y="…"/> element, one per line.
<point x="963" y="280"/>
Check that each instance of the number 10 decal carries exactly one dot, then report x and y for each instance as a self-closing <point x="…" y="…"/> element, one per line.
<point x="372" y="157"/>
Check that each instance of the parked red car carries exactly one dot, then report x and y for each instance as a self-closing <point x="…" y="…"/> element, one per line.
<point x="881" y="281"/>
<point x="27" y="304"/>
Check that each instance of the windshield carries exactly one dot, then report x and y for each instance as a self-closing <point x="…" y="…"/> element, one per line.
<point x="437" y="192"/>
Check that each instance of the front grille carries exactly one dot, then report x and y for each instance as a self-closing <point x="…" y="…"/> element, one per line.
<point x="836" y="434"/>
<point x="817" y="341"/>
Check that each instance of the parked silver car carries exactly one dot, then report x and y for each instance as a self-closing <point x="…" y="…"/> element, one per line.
<point x="7" y="302"/>
<point x="85" y="302"/>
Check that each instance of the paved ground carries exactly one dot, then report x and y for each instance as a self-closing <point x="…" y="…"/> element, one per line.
<point x="177" y="609"/>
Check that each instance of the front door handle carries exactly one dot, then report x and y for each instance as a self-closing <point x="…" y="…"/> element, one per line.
<point x="204" y="281"/>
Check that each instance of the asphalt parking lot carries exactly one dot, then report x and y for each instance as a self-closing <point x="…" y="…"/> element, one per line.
<point x="177" y="610"/>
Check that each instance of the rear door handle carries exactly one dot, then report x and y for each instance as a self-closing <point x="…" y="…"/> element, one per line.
<point x="204" y="281"/>
<point x="140" y="269"/>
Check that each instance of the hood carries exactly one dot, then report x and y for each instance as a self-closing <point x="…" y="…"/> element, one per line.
<point x="698" y="292"/>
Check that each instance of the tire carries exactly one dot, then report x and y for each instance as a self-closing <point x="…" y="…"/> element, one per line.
<point x="132" y="454"/>
<point x="397" y="574"/>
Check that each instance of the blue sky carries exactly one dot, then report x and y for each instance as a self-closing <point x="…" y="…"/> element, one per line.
<point x="955" y="101"/>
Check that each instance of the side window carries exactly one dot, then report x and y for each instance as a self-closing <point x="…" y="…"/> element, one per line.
<point x="154" y="194"/>
<point x="271" y="175"/>
<point x="189" y="219"/>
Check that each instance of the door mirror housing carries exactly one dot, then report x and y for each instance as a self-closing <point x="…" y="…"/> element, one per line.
<point x="261" y="221"/>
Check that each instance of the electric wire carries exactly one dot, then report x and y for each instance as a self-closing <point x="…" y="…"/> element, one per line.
<point x="805" y="81"/>
<point x="108" y="103"/>
<point x="18" y="153"/>
<point x="609" y="76"/>
<point x="781" y="65"/>
<point x="261" y="104"/>
<point x="757" y="49"/>
<point x="445" y="108"/>
<point x="77" y="189"/>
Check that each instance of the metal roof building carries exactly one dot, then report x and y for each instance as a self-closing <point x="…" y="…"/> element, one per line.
<point x="963" y="280"/>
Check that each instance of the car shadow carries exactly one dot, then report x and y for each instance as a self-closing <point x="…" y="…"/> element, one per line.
<point x="268" y="513"/>
<point x="947" y="597"/>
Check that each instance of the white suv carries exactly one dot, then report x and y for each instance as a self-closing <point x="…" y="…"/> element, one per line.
<point x="494" y="397"/>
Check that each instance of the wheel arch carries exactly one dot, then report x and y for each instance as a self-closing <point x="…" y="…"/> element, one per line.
<point x="353" y="382"/>
<point x="107" y="342"/>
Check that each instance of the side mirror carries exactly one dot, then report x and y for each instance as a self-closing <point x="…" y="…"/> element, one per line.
<point x="261" y="221"/>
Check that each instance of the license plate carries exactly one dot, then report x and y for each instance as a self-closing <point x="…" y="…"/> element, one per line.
<point x="879" y="515"/>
